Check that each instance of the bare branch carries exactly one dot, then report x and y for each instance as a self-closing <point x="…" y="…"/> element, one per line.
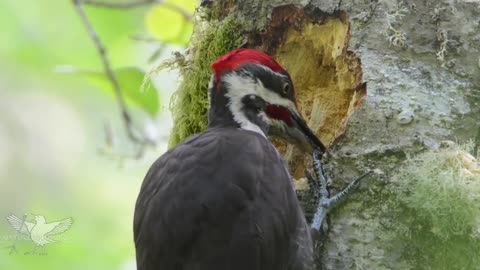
<point x="132" y="4"/>
<point x="138" y="3"/>
<point x="135" y="136"/>
<point x="186" y="15"/>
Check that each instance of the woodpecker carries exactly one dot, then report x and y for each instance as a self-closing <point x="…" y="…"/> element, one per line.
<point x="223" y="198"/>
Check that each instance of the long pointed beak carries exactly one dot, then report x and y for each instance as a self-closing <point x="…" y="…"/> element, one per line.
<point x="291" y="127"/>
<point x="310" y="137"/>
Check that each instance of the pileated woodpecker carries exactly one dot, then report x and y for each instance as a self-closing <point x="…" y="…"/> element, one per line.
<point x="223" y="199"/>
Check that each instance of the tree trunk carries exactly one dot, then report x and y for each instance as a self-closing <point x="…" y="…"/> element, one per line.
<point x="421" y="62"/>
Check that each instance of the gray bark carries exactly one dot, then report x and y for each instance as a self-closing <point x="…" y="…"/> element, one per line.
<point x="417" y="97"/>
<point x="414" y="102"/>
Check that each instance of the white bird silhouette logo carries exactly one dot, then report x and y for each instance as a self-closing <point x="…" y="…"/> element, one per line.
<point x="40" y="230"/>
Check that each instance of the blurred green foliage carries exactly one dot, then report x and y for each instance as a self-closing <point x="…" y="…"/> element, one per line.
<point x="131" y="80"/>
<point x="51" y="126"/>
<point x="159" y="22"/>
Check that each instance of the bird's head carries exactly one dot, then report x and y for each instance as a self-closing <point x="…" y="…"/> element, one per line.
<point x="259" y="95"/>
<point x="39" y="219"/>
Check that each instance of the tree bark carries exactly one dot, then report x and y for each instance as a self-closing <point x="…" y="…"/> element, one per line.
<point x="420" y="60"/>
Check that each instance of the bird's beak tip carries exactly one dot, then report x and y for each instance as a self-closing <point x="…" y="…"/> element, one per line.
<point x="314" y="142"/>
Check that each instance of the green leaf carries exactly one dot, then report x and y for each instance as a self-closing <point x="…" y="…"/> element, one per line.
<point x="130" y="80"/>
<point x="168" y="24"/>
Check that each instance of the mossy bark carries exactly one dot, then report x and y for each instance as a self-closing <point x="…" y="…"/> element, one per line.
<point x="420" y="60"/>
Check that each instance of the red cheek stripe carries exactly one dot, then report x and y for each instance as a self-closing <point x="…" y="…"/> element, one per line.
<point x="279" y="113"/>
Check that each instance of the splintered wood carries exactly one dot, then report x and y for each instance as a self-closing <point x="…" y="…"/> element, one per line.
<point x="313" y="47"/>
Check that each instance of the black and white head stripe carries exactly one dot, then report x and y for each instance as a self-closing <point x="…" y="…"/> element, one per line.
<point x="276" y="82"/>
<point x="261" y="81"/>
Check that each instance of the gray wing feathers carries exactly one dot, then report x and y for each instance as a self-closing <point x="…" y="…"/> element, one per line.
<point x="61" y="226"/>
<point x="208" y="204"/>
<point x="20" y="225"/>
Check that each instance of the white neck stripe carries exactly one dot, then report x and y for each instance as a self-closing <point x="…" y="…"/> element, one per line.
<point x="237" y="86"/>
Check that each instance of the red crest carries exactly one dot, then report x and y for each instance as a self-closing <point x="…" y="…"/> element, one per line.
<point x="232" y="59"/>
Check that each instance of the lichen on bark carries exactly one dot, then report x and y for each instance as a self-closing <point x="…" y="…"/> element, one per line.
<point x="427" y="217"/>
<point x="436" y="209"/>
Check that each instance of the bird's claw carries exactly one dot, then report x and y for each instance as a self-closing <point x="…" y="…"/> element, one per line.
<point x="12" y="249"/>
<point x="318" y="185"/>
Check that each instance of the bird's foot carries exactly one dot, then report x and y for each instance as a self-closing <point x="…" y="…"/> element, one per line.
<point x="43" y="253"/>
<point x="318" y="185"/>
<point x="12" y="249"/>
<point x="34" y="251"/>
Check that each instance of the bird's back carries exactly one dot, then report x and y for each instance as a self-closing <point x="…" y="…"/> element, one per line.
<point x="222" y="199"/>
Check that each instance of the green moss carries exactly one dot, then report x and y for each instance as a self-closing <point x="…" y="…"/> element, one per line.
<point x="437" y="210"/>
<point x="217" y="10"/>
<point x="189" y="103"/>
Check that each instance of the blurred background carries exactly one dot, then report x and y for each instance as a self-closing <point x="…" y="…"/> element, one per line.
<point x="64" y="151"/>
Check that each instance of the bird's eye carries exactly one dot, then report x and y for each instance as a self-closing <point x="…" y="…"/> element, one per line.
<point x="286" y="89"/>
